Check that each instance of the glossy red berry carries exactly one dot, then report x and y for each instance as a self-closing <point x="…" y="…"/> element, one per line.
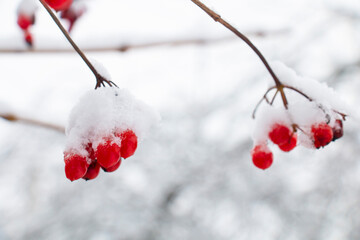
<point x="107" y="154"/>
<point x="338" y="130"/>
<point x="25" y="21"/>
<point x="113" y="168"/>
<point x="322" y="134"/>
<point x="128" y="143"/>
<point x="280" y="134"/>
<point x="262" y="157"/>
<point x="59" y="5"/>
<point x="290" y="145"/>
<point x="92" y="171"/>
<point x="75" y="166"/>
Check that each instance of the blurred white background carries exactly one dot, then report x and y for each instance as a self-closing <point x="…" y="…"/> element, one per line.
<point x="192" y="178"/>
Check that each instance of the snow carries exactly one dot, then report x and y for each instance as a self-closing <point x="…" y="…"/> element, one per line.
<point x="102" y="112"/>
<point x="27" y="7"/>
<point x="321" y="105"/>
<point x="101" y="69"/>
<point x="192" y="177"/>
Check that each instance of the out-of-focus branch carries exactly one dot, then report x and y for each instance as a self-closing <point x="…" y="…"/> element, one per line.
<point x="29" y="121"/>
<point x="132" y="46"/>
<point x="217" y="18"/>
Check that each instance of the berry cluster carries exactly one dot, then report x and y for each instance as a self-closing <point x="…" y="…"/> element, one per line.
<point x="106" y="155"/>
<point x="104" y="127"/>
<point x="321" y="134"/>
<point x="309" y="120"/>
<point x="69" y="10"/>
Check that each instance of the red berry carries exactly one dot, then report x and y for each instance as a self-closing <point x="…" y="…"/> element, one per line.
<point x="92" y="171"/>
<point x="280" y="134"/>
<point x="59" y="5"/>
<point x="322" y="134"/>
<point x="28" y="38"/>
<point x="75" y="166"/>
<point x="287" y="147"/>
<point x="25" y="21"/>
<point x="113" y="168"/>
<point x="128" y="143"/>
<point x="72" y="16"/>
<point x="337" y="130"/>
<point x="90" y="151"/>
<point x="262" y="157"/>
<point x="107" y="154"/>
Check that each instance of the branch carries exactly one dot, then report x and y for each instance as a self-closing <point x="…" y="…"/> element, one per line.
<point x="99" y="79"/>
<point x="15" y="118"/>
<point x="217" y="18"/>
<point x="133" y="46"/>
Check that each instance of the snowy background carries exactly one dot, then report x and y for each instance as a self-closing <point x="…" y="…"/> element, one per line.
<point x="192" y="178"/>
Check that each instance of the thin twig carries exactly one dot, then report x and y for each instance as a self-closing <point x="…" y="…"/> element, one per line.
<point x="262" y="99"/>
<point x="99" y="79"/>
<point x="15" y="118"/>
<point x="217" y="18"/>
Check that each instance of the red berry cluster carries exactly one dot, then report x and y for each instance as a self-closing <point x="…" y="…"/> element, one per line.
<point x="321" y="134"/>
<point x="106" y="155"/>
<point x="25" y="21"/>
<point x="26" y="18"/>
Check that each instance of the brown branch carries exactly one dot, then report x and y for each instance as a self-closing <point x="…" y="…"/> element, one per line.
<point x="99" y="79"/>
<point x="15" y="118"/>
<point x="217" y="18"/>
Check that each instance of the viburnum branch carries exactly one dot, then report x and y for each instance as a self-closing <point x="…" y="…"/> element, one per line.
<point x="135" y="46"/>
<point x="15" y="118"/>
<point x="100" y="80"/>
<point x="217" y="18"/>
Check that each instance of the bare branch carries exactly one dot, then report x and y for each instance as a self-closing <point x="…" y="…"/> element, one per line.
<point x="217" y="18"/>
<point x="99" y="79"/>
<point x="15" y="118"/>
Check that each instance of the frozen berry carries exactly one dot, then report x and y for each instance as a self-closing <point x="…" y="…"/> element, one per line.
<point x="280" y="134"/>
<point x="322" y="134"/>
<point x="113" y="168"/>
<point x="262" y="157"/>
<point x="128" y="143"/>
<point x="25" y="21"/>
<point x="337" y="130"/>
<point x="59" y="5"/>
<point x="90" y="151"/>
<point x="28" y="38"/>
<point x="92" y="171"/>
<point x="75" y="166"/>
<point x="107" y="154"/>
<point x="290" y="145"/>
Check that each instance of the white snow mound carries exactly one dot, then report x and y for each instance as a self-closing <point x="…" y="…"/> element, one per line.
<point x="102" y="111"/>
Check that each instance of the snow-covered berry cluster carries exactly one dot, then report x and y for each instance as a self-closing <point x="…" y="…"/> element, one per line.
<point x="69" y="10"/>
<point x="103" y="129"/>
<point x="309" y="119"/>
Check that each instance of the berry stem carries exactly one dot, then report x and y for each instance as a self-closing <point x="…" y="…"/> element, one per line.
<point x="217" y="18"/>
<point x="99" y="79"/>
